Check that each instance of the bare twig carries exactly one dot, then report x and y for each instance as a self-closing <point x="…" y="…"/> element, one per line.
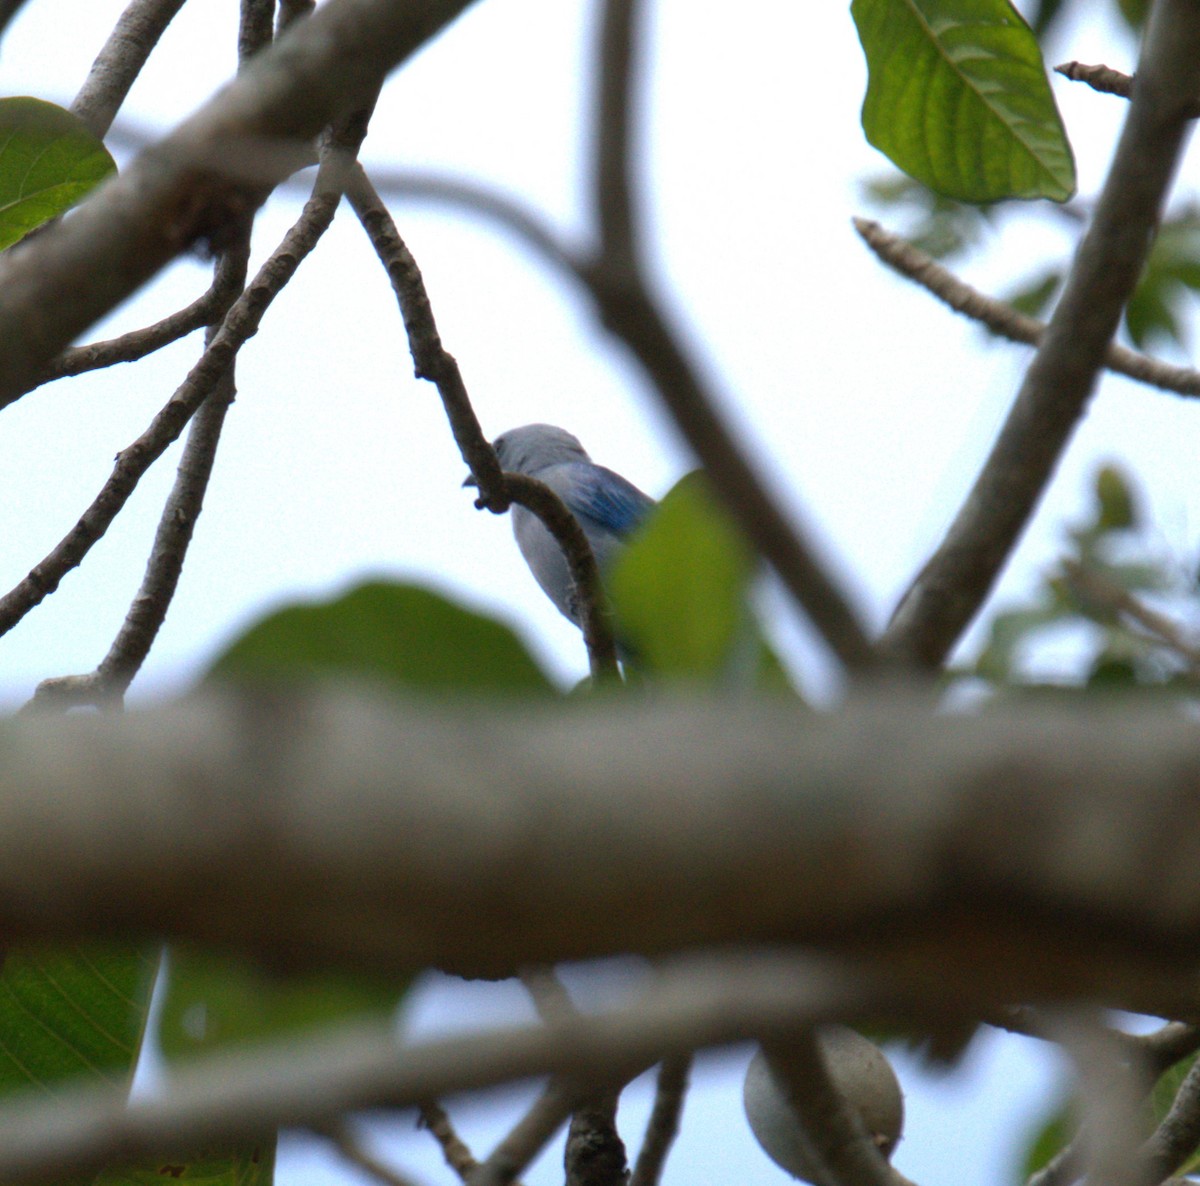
<point x="347" y="1143"/>
<point x="293" y="10"/>
<point x="432" y="361"/>
<point x="206" y="175"/>
<point x="528" y="1137"/>
<point x="1100" y="78"/>
<point x="663" y="1126"/>
<point x="436" y="1121"/>
<point x="1178" y="1135"/>
<point x="548" y="993"/>
<point x="119" y="63"/>
<point x="949" y="590"/>
<point x="206" y="309"/>
<point x="1094" y="586"/>
<point x="240" y="323"/>
<point x="256" y="28"/>
<point x="621" y="291"/>
<point x="1002" y="319"/>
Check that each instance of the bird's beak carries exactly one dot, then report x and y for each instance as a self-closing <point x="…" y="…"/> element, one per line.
<point x="469" y="480"/>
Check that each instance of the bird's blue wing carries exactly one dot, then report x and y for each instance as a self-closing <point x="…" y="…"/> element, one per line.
<point x="593" y="492"/>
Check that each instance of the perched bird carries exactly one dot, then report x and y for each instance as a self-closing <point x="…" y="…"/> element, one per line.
<point x="607" y="506"/>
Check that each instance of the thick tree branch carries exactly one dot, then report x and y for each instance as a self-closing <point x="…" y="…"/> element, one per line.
<point x="949" y="590"/>
<point x="1021" y="854"/>
<point x="211" y="170"/>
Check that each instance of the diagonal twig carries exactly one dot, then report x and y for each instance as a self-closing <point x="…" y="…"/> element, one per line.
<point x="497" y="491"/>
<point x="120" y="61"/>
<point x="436" y="1121"/>
<point x="1001" y="318"/>
<point x="616" y="279"/>
<point x="949" y="590"/>
<point x="663" y="1126"/>
<point x="346" y="1141"/>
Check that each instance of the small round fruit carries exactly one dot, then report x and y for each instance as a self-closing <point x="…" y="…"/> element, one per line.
<point x="861" y="1073"/>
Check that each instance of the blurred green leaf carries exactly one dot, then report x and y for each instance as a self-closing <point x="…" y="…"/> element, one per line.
<point x="1134" y="13"/>
<point x="680" y="588"/>
<point x="48" y="161"/>
<point x="939" y="226"/>
<point x="400" y="634"/>
<point x="1049" y="1138"/>
<point x="1116" y="508"/>
<point x="1156" y="312"/>
<point x="958" y="98"/>
<point x="1035" y="296"/>
<point x="253" y="1165"/>
<point x="1007" y="633"/>
<point x="1045" y="14"/>
<point x="214" y="1001"/>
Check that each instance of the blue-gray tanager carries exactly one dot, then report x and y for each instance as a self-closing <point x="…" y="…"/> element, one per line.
<point x="607" y="506"/>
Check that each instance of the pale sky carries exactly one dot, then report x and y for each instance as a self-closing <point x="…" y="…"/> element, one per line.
<point x="868" y="405"/>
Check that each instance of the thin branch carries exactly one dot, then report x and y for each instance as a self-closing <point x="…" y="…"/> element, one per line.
<point x="617" y="282"/>
<point x="952" y="586"/>
<point x="1104" y="79"/>
<point x="1178" y="1135"/>
<point x="138" y="343"/>
<point x="345" y="1140"/>
<point x="111" y="679"/>
<point x="256" y="28"/>
<point x="293" y="10"/>
<point x="240" y="323"/>
<point x="548" y="993"/>
<point x="436" y="1121"/>
<point x="612" y="185"/>
<point x="670" y="1090"/>
<point x="119" y="63"/>
<point x="528" y="1137"/>
<point x="1002" y="319"/>
<point x="8" y="10"/>
<point x="432" y="361"/>
<point x="1094" y="586"/>
<point x="202" y="178"/>
<point x="236" y="1096"/>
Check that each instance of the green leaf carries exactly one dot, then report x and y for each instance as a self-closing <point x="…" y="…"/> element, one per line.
<point x="67" y="1012"/>
<point x="1049" y="1138"/>
<point x="1134" y="13"/>
<point x="48" y="161"/>
<point x="937" y="225"/>
<point x="1157" y="312"/>
<point x="400" y="634"/>
<point x="214" y="1001"/>
<point x="680" y="588"/>
<point x="253" y="1165"/>
<point x="1116" y="509"/>
<point x="1035" y="296"/>
<point x="958" y="98"/>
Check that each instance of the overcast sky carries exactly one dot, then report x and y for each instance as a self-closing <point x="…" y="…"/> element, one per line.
<point x="868" y="405"/>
